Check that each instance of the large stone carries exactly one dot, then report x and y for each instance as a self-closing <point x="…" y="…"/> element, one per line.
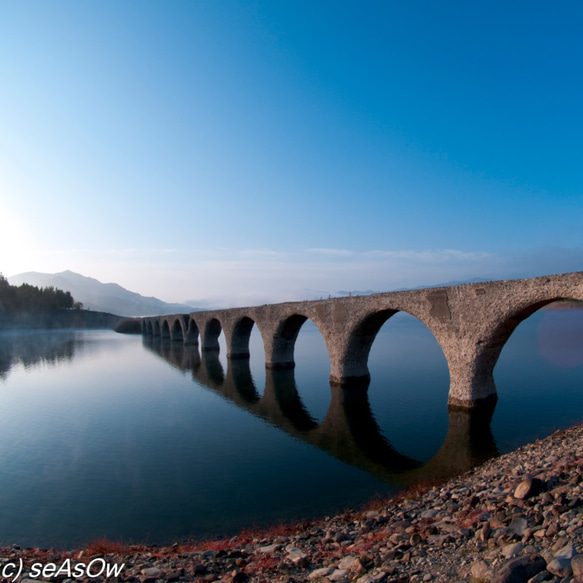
<point x="268" y="549"/>
<point x="567" y="552"/>
<point x="151" y="572"/>
<point x="512" y="550"/>
<point x="483" y="533"/>
<point x="479" y="570"/>
<point x="376" y="576"/>
<point x="295" y="555"/>
<point x="518" y="525"/>
<point x="577" y="565"/>
<point x="542" y="577"/>
<point x="519" y="570"/>
<point x="318" y="574"/>
<point x="560" y="567"/>
<point x="347" y="562"/>
<point x="527" y="488"/>
<point x="339" y="575"/>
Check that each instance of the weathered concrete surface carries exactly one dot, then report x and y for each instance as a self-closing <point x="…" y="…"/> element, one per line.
<point x="470" y="322"/>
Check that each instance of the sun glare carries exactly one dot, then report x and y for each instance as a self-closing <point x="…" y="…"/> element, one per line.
<point x="18" y="246"/>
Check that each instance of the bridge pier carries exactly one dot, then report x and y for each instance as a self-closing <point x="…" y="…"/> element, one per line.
<point x="279" y="342"/>
<point x="472" y="393"/>
<point x="191" y="333"/>
<point x="210" y="336"/>
<point x="237" y="338"/>
<point x="348" y="364"/>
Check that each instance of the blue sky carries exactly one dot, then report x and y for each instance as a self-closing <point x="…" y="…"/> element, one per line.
<point x="239" y="152"/>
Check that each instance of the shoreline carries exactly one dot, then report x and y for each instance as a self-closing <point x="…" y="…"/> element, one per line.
<point x="518" y="513"/>
<point x="51" y="320"/>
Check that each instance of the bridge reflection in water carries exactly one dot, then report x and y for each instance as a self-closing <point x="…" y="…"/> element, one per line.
<point x="349" y="430"/>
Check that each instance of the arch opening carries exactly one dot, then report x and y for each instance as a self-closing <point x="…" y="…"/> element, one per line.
<point x="246" y="359"/>
<point x="312" y="367"/>
<point x="409" y="383"/>
<point x="538" y="372"/>
<point x="256" y="358"/>
<point x="506" y="328"/>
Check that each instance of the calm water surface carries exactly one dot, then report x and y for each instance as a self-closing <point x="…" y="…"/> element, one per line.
<point x="143" y="441"/>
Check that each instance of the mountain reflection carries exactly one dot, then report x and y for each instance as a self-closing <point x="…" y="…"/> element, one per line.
<point x="33" y="348"/>
<point x="349" y="431"/>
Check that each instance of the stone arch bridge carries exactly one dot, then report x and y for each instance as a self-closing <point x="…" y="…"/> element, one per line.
<point x="471" y="323"/>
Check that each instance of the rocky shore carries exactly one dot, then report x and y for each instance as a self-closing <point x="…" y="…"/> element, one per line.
<point x="517" y="518"/>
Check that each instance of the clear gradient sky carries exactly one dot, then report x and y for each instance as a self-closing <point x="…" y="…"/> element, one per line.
<point x="239" y="152"/>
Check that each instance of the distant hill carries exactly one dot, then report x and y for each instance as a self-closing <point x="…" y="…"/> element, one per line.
<point x="102" y="297"/>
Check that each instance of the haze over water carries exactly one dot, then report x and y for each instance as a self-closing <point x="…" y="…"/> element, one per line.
<point x="110" y="435"/>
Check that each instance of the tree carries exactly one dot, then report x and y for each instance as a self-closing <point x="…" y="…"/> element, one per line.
<point x="27" y="298"/>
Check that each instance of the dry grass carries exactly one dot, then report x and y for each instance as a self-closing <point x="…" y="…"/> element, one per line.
<point x="264" y="563"/>
<point x="376" y="503"/>
<point x="224" y="544"/>
<point x="246" y="536"/>
<point x="104" y="546"/>
<point x="415" y="491"/>
<point x="279" y="529"/>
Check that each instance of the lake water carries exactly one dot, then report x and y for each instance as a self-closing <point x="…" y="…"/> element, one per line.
<point x="138" y="440"/>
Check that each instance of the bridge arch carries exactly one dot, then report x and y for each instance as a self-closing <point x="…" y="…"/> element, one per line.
<point x="491" y="348"/>
<point x="473" y="378"/>
<point x="349" y="364"/>
<point x="279" y="350"/>
<point x="354" y="362"/>
<point x="508" y="323"/>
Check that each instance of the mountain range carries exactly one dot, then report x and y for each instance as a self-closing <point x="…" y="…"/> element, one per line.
<point x="101" y="297"/>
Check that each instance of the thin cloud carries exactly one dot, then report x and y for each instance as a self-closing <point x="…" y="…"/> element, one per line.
<point x="437" y="256"/>
<point x="327" y="251"/>
<point x="229" y="278"/>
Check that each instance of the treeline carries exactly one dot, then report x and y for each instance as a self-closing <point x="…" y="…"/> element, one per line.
<point x="29" y="298"/>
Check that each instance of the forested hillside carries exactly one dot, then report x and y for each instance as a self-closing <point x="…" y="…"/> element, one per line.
<point x="101" y="297"/>
<point x="29" y="298"/>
